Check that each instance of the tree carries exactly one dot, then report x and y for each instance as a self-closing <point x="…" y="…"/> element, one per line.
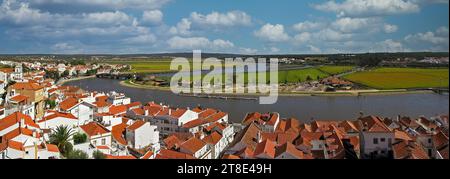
<point x="60" y="137"/>
<point x="77" y="154"/>
<point x="308" y="78"/>
<point x="79" y="138"/>
<point x="99" y="155"/>
<point x="50" y="103"/>
<point x="65" y="73"/>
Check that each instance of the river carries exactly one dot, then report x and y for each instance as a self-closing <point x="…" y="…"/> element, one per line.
<point x="302" y="108"/>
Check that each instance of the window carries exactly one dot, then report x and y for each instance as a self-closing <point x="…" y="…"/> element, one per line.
<point x="375" y="141"/>
<point x="429" y="141"/>
<point x="95" y="142"/>
<point x="1" y="139"/>
<point x="383" y="139"/>
<point x="390" y="141"/>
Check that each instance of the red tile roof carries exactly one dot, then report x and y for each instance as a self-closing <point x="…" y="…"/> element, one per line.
<point x="15" y="145"/>
<point x="93" y="128"/>
<point x="170" y="154"/>
<point x="147" y="155"/>
<point x="15" y="118"/>
<point x="289" y="148"/>
<point x="56" y="114"/>
<point x="128" y="157"/>
<point x="19" y="98"/>
<point x="136" y="125"/>
<point x="213" y="138"/>
<point x="409" y="150"/>
<point x="26" y="86"/>
<point x="52" y="148"/>
<point x="266" y="147"/>
<point x="230" y="157"/>
<point x="115" y="110"/>
<point x="192" y="145"/>
<point x="117" y="133"/>
<point x="68" y="103"/>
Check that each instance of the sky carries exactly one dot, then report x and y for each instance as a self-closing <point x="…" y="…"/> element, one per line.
<point x="223" y="26"/>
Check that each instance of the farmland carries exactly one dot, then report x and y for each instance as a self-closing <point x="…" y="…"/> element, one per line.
<point x="334" y="70"/>
<point x="401" y="78"/>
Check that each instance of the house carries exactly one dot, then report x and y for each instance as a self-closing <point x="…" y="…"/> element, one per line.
<point x="54" y="119"/>
<point x="288" y="151"/>
<point x="217" y="144"/>
<point x="196" y="148"/>
<point x="34" y="93"/>
<point x="265" y="150"/>
<point x="267" y="122"/>
<point x="118" y="99"/>
<point x="141" y="134"/>
<point x="97" y="134"/>
<point x="376" y="138"/>
<point x="21" y="104"/>
<point x="20" y="138"/>
<point x="81" y="110"/>
<point x="249" y="137"/>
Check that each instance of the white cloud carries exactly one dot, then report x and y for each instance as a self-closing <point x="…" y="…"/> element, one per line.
<point x="191" y="43"/>
<point x="430" y="41"/>
<point x="364" y="8"/>
<point x="272" y="33"/>
<point x="348" y="24"/>
<point x="248" y="51"/>
<point x="389" y="28"/>
<point x="389" y="45"/>
<point x="308" y="26"/>
<point x="302" y="37"/>
<point x="232" y="18"/>
<point x="274" y="50"/>
<point x="152" y="17"/>
<point x="182" y="28"/>
<point x="314" y="49"/>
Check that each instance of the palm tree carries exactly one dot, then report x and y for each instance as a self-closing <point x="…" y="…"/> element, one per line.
<point x="60" y="137"/>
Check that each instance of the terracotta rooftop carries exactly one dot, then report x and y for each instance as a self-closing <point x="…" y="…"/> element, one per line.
<point x="192" y="145"/>
<point x="93" y="128"/>
<point x="170" y="154"/>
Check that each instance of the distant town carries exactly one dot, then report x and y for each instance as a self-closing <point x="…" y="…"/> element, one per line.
<point x="42" y="118"/>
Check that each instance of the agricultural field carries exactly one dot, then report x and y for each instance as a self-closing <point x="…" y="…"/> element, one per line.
<point x="334" y="70"/>
<point x="401" y="78"/>
<point x="157" y="66"/>
<point x="285" y="76"/>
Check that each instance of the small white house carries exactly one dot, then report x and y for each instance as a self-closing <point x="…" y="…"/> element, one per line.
<point x="141" y="134"/>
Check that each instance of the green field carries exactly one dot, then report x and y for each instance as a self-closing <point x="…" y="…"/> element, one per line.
<point x="286" y="76"/>
<point x="334" y="70"/>
<point x="401" y="78"/>
<point x="155" y="66"/>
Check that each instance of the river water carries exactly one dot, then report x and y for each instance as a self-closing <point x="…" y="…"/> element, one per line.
<point x="302" y="108"/>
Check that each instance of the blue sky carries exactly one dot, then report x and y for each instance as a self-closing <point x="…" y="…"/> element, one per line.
<point x="228" y="26"/>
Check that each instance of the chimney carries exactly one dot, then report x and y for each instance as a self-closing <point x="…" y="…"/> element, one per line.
<point x="34" y="134"/>
<point x="259" y="137"/>
<point x="22" y="122"/>
<point x="170" y="111"/>
<point x="366" y="126"/>
<point x="146" y="112"/>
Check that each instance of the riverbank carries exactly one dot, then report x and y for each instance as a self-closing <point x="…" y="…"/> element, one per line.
<point x="130" y="84"/>
<point x="62" y="82"/>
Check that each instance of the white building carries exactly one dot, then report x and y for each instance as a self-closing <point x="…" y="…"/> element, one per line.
<point x="54" y="119"/>
<point x="97" y="134"/>
<point x="141" y="134"/>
